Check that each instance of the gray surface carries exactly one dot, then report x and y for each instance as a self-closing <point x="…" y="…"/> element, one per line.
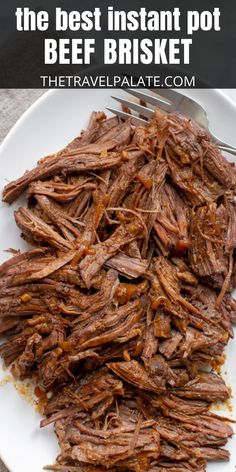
<point x="12" y="104"/>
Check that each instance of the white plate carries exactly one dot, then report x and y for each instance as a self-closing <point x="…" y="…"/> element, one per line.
<point x="54" y="120"/>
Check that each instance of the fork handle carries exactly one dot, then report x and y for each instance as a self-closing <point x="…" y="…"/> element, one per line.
<point x="224" y="146"/>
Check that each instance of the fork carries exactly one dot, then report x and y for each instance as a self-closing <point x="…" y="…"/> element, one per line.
<point x="169" y="101"/>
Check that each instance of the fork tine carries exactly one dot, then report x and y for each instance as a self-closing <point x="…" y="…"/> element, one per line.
<point x="186" y="105"/>
<point x="147" y="112"/>
<point x="125" y="116"/>
<point x="147" y="97"/>
<point x="171" y="95"/>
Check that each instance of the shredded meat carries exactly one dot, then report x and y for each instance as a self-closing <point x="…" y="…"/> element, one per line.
<point x="121" y="312"/>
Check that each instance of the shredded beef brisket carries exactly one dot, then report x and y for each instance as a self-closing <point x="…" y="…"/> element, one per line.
<point x="123" y="309"/>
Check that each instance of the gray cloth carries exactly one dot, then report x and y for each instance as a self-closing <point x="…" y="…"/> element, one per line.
<point x="12" y="104"/>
